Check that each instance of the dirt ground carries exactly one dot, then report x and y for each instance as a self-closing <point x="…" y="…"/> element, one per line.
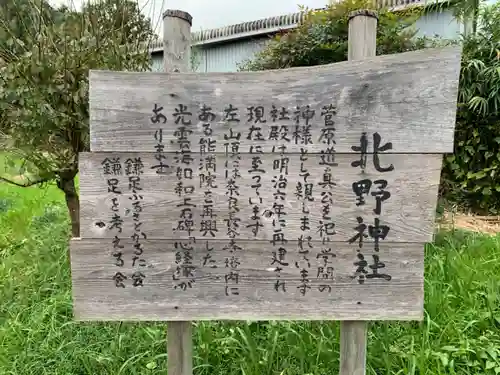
<point x="483" y="224"/>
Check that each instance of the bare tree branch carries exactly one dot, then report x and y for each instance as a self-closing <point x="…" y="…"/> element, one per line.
<point x="27" y="184"/>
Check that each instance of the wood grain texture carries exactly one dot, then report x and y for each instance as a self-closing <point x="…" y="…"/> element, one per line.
<point x="409" y="98"/>
<point x="96" y="297"/>
<point x="362" y="43"/>
<point x="180" y="347"/>
<point x="409" y="211"/>
<point x="176" y="58"/>
<point x="176" y="42"/>
<point x="353" y="340"/>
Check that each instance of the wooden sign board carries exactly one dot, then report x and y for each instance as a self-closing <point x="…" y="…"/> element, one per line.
<point x="305" y="193"/>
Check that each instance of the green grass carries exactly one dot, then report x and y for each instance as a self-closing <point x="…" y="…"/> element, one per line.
<point x="460" y="333"/>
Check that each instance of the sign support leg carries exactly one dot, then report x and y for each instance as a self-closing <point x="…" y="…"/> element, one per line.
<point x="177" y="58"/>
<point x="180" y="348"/>
<point x="362" y="44"/>
<point x="414" y="163"/>
<point x="353" y="347"/>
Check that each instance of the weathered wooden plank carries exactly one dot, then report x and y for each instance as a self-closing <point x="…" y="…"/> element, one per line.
<point x="96" y="296"/>
<point x="176" y="57"/>
<point x="353" y="340"/>
<point x="180" y="347"/>
<point x="409" y="211"/>
<point x="362" y="43"/>
<point x="408" y="98"/>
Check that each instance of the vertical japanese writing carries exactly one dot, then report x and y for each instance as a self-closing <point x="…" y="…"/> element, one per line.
<point x="184" y="275"/>
<point x="325" y="271"/>
<point x="326" y="224"/>
<point x="279" y="133"/>
<point x="232" y="176"/>
<point x="158" y="117"/>
<point x="256" y="171"/>
<point x="207" y="175"/>
<point x="304" y="194"/>
<point x="302" y="118"/>
<point x="133" y="170"/>
<point x="207" y="170"/>
<point x="279" y="241"/>
<point x="112" y="169"/>
<point x="376" y="189"/>
<point x="208" y="259"/>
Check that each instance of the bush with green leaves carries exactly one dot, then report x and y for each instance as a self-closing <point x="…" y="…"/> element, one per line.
<point x="471" y="176"/>
<point x="322" y="37"/>
<point x="44" y="106"/>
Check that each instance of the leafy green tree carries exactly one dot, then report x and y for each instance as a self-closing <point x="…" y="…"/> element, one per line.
<point x="472" y="174"/>
<point x="44" y="90"/>
<point x="322" y="37"/>
<point x="20" y="20"/>
<point x="122" y="17"/>
<point x="466" y="11"/>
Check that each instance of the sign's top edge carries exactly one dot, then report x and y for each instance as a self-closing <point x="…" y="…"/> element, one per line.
<point x="447" y="52"/>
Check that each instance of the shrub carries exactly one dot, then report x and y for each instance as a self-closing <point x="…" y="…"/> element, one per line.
<point x="322" y="37"/>
<point x="471" y="175"/>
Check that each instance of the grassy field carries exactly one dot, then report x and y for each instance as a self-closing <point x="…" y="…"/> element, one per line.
<point x="460" y="333"/>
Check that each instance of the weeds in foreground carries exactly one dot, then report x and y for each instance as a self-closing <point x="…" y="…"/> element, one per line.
<point x="459" y="335"/>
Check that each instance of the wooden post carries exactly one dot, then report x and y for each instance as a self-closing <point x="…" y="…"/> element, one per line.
<point x="177" y="58"/>
<point x="180" y="348"/>
<point x="127" y="112"/>
<point x="362" y="44"/>
<point x="177" y="41"/>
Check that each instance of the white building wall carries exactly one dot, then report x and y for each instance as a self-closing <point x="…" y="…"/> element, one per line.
<point x="226" y="57"/>
<point x="218" y="58"/>
<point x="442" y="24"/>
<point x="157" y="62"/>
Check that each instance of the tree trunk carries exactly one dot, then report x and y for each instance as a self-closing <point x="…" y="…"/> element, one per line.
<point x="67" y="185"/>
<point x="475" y="14"/>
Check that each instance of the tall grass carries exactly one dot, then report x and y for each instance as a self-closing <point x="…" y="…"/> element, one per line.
<point x="460" y="333"/>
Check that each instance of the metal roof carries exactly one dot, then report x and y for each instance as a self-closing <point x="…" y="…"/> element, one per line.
<point x="240" y="30"/>
<point x="272" y="25"/>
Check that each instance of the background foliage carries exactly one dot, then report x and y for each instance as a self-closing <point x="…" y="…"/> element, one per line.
<point x="322" y="37"/>
<point x="471" y="175"/>
<point x="20" y="20"/>
<point x="44" y="81"/>
<point x="459" y="335"/>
